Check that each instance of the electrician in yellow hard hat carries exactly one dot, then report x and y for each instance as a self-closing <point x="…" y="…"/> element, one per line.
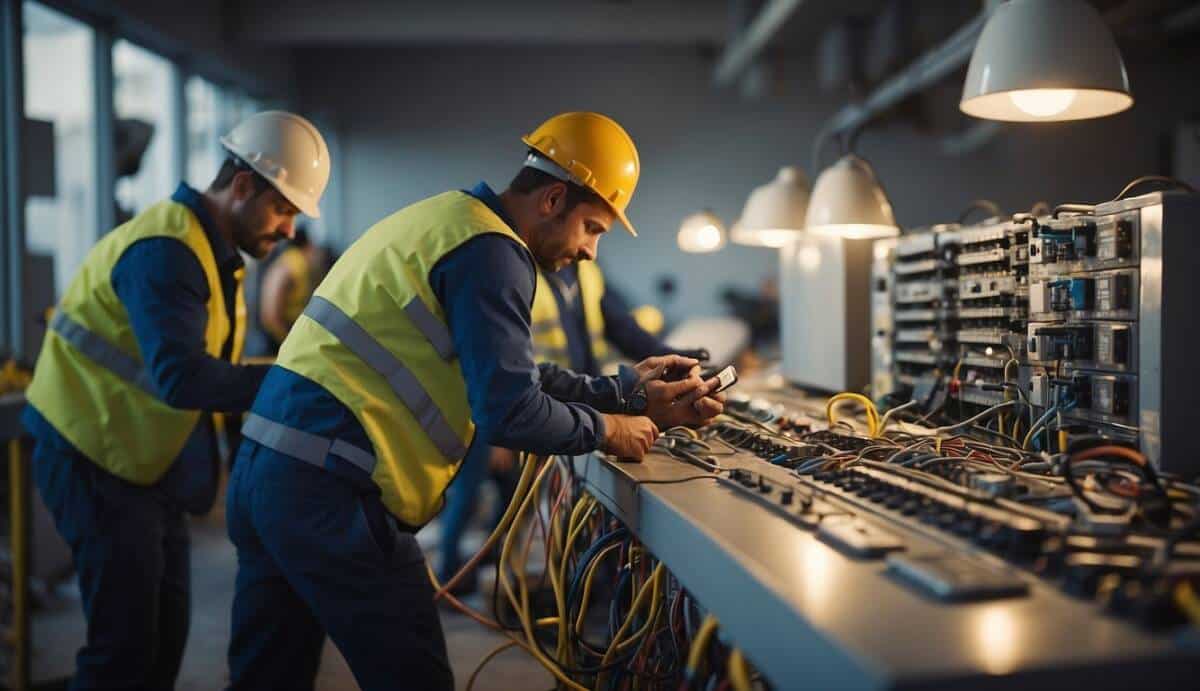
<point x="142" y="348"/>
<point x="416" y="347"/>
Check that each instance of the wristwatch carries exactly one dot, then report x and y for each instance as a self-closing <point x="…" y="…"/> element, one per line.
<point x="635" y="404"/>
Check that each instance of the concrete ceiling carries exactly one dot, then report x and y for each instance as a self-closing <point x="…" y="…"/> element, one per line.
<point x="521" y="22"/>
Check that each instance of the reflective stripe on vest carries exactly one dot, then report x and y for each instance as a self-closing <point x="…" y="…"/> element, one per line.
<point x="102" y="352"/>
<point x="92" y="383"/>
<point x="432" y="327"/>
<point x="402" y="381"/>
<point x="308" y="447"/>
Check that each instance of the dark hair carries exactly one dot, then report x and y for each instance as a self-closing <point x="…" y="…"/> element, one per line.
<point x="530" y="179"/>
<point x="232" y="166"/>
<point x="300" y="238"/>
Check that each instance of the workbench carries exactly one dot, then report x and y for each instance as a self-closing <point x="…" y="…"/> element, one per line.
<point x="809" y="616"/>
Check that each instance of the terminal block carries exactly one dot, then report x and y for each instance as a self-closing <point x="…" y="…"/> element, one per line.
<point x="1073" y="342"/>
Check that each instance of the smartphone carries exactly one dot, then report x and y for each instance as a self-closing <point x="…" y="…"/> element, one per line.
<point x="726" y="378"/>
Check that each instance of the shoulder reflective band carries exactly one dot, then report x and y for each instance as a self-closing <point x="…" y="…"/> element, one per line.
<point x="433" y="328"/>
<point x="102" y="352"/>
<point x="405" y="385"/>
<point x="308" y="447"/>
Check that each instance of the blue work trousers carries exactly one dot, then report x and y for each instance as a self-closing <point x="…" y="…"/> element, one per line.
<point x="319" y="555"/>
<point x="131" y="551"/>
<point x="461" y="501"/>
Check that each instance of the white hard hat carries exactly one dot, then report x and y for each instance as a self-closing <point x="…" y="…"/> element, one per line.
<point x="288" y="151"/>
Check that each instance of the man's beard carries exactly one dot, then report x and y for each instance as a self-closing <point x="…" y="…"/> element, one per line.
<point x="254" y="245"/>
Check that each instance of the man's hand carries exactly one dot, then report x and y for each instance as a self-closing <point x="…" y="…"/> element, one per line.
<point x="684" y="402"/>
<point x="709" y="407"/>
<point x="655" y="367"/>
<point x="501" y="460"/>
<point x="627" y="436"/>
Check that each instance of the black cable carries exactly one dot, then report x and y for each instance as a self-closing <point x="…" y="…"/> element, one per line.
<point x="1146" y="471"/>
<point x="979" y="429"/>
<point x="1073" y="208"/>
<point x="1160" y="179"/>
<point x="677" y="480"/>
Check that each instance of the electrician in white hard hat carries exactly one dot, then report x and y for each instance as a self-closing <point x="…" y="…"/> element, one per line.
<point x="141" y="351"/>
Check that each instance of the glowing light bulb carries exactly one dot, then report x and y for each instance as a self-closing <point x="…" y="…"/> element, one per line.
<point x="708" y="237"/>
<point x="701" y="232"/>
<point x="1043" y="103"/>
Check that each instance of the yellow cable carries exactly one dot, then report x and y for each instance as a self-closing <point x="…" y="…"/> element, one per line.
<point x="587" y="586"/>
<point x="655" y="583"/>
<point x="528" y="470"/>
<point x="521" y="605"/>
<point x="1012" y="361"/>
<point x="1062" y="440"/>
<point x="1188" y="601"/>
<point x="700" y="644"/>
<point x="558" y="573"/>
<point x="643" y="592"/>
<point x="486" y="659"/>
<point x="739" y="673"/>
<point x="1028" y="438"/>
<point x="871" y="412"/>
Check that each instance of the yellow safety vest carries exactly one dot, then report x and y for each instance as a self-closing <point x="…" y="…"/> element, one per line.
<point x="90" y="382"/>
<point x="374" y="335"/>
<point x="300" y="288"/>
<point x="549" y="338"/>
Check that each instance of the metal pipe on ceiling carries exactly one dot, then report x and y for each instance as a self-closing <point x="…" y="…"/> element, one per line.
<point x="921" y="74"/>
<point x="741" y="52"/>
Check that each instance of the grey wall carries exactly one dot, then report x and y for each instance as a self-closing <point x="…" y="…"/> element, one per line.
<point x="415" y="122"/>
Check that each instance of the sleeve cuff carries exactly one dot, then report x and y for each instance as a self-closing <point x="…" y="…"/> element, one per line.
<point x="601" y="430"/>
<point x="627" y="380"/>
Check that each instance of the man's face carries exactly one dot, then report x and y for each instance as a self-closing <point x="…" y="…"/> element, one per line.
<point x="261" y="218"/>
<point x="561" y="239"/>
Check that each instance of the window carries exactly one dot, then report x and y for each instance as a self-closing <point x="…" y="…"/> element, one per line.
<point x="145" y="128"/>
<point x="204" y="131"/>
<point x="60" y="136"/>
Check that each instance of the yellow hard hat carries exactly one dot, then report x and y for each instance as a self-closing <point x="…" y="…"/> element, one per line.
<point x="591" y="150"/>
<point x="288" y="151"/>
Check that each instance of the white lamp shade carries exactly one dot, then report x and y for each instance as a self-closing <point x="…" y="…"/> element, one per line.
<point x="1045" y="61"/>
<point x="775" y="212"/>
<point x="847" y="201"/>
<point x="701" y="232"/>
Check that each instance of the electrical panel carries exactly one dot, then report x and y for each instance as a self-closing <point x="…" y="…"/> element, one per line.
<point x="923" y="290"/>
<point x="1068" y="310"/>
<point x="883" y="322"/>
<point x="992" y="308"/>
<point x="1113" y="348"/>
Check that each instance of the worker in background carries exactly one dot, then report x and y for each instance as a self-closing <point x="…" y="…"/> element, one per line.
<point x="414" y="348"/>
<point x="579" y="325"/>
<point x="287" y="284"/>
<point x="143" y="346"/>
<point x="576" y="324"/>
